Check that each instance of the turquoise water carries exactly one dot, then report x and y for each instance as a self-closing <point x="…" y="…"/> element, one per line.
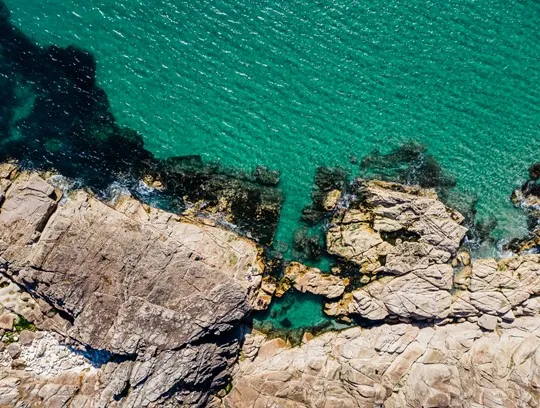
<point x="295" y="84"/>
<point x="291" y="314"/>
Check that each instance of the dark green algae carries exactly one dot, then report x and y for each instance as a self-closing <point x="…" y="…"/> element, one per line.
<point x="54" y="116"/>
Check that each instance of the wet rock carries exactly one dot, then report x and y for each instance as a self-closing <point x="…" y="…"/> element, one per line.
<point x="408" y="164"/>
<point x="307" y="244"/>
<point x="331" y="200"/>
<point x="266" y="176"/>
<point x="329" y="183"/>
<point x="534" y="171"/>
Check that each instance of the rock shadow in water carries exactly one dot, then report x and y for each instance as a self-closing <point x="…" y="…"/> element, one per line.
<point x="54" y="116"/>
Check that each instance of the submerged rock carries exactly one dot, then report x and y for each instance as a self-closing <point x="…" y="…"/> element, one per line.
<point x="408" y="164"/>
<point x="161" y="293"/>
<point x="534" y="171"/>
<point x="528" y="198"/>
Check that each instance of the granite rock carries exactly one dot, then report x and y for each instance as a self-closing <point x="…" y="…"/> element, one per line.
<point x="159" y="292"/>
<point x="397" y="366"/>
<point x="395" y="229"/>
<point x="307" y="279"/>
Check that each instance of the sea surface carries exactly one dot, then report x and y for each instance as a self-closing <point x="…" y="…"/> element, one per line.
<point x="293" y="84"/>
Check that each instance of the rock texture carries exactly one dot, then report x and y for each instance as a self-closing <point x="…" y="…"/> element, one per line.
<point x="395" y="229"/>
<point x="410" y="240"/>
<point x="397" y="366"/>
<point x="472" y="332"/>
<point x="161" y="293"/>
<point x="122" y="305"/>
<point x="306" y="279"/>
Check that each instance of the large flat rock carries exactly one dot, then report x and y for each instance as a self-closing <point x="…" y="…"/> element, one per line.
<point x="161" y="293"/>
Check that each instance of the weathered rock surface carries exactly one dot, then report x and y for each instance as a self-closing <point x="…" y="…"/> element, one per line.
<point x="146" y="307"/>
<point x="398" y="365"/>
<point x="395" y="229"/>
<point x="409" y="239"/>
<point x="495" y="288"/>
<point x="306" y="279"/>
<point x="161" y="293"/>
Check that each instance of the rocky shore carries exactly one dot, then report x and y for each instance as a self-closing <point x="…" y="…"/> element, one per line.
<point x="158" y="296"/>
<point x="440" y="329"/>
<point x="118" y="304"/>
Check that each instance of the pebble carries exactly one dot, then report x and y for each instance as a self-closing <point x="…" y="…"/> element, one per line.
<point x="26" y="337"/>
<point x="14" y="350"/>
<point x="487" y="322"/>
<point x="6" y="322"/>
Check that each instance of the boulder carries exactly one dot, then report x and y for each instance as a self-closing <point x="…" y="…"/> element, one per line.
<point x="395" y="229"/>
<point x="14" y="350"/>
<point x="306" y="279"/>
<point x="487" y="322"/>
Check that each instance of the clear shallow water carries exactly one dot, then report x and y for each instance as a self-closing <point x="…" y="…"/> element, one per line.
<point x="293" y="313"/>
<point x="297" y="84"/>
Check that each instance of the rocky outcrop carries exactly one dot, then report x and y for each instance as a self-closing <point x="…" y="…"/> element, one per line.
<point x="472" y="331"/>
<point x="122" y="305"/>
<point x="399" y="365"/>
<point x="161" y="293"/>
<point x="409" y="240"/>
<point x="506" y="288"/>
<point x="306" y="279"/>
<point x="395" y="229"/>
<point x="528" y="198"/>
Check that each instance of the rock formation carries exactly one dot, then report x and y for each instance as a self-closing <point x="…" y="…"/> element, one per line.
<point x="161" y="294"/>
<point x="528" y="198"/>
<point x="119" y="304"/>
<point x="306" y="279"/>
<point x="400" y="365"/>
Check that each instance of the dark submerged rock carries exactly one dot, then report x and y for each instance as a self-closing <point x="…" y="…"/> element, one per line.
<point x="534" y="171"/>
<point x="70" y="129"/>
<point x="408" y="164"/>
<point x="528" y="198"/>
<point x="266" y="176"/>
<point x="308" y="245"/>
<point x="326" y="180"/>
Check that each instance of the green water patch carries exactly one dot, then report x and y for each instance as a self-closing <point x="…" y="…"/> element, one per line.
<point x="293" y="314"/>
